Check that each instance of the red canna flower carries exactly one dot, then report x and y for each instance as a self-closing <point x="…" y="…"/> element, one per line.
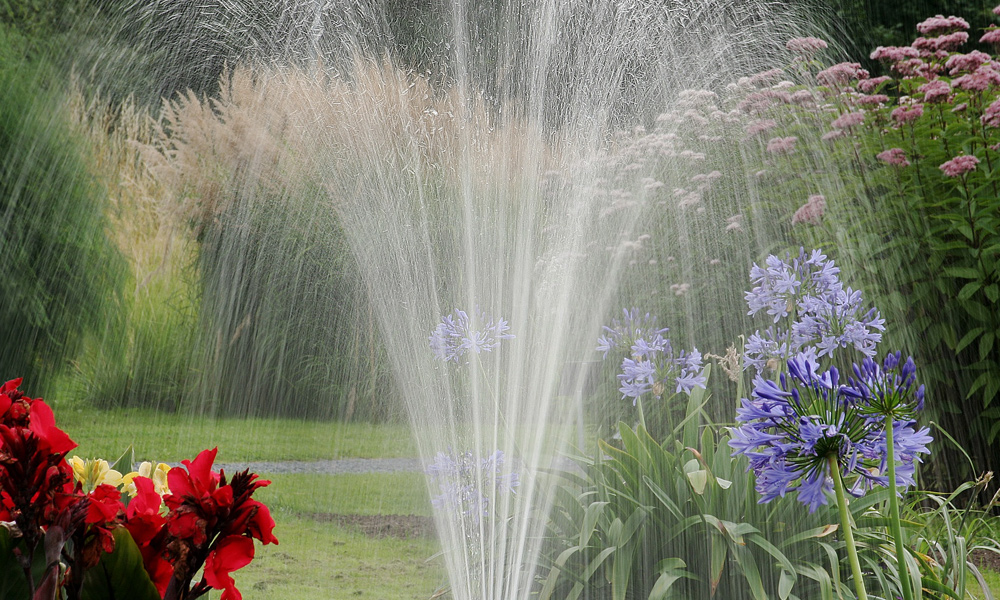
<point x="213" y="523"/>
<point x="145" y="523"/>
<point x="230" y="553"/>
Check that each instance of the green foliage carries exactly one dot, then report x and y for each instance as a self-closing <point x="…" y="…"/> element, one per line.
<point x="60" y="270"/>
<point x="119" y="574"/>
<point x="287" y="326"/>
<point x="663" y="520"/>
<point x="923" y="244"/>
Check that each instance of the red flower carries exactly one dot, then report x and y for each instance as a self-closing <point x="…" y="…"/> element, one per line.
<point x="213" y="523"/>
<point x="145" y="523"/>
<point x="229" y="554"/>
<point x="43" y="424"/>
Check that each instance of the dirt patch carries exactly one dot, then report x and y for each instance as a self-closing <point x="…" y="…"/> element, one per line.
<point x="986" y="559"/>
<point x="380" y="526"/>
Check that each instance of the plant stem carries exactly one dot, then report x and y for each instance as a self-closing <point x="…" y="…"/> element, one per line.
<point x="642" y="417"/>
<point x="845" y="524"/>
<point x="894" y="526"/>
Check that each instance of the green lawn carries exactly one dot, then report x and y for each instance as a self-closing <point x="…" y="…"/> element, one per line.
<point x="169" y="437"/>
<point x="363" y="494"/>
<point x="322" y="561"/>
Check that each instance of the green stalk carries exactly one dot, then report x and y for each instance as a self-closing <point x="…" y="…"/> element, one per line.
<point x="894" y="526"/>
<point x="642" y="417"/>
<point x="845" y="524"/>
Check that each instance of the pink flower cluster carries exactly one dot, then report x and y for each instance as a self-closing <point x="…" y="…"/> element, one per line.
<point x="979" y="80"/>
<point x="935" y="91"/>
<point x="967" y="63"/>
<point x="841" y="74"/>
<point x="760" y="126"/>
<point x="870" y="85"/>
<point x="894" y="54"/>
<point x="991" y="116"/>
<point x="950" y="41"/>
<point x="811" y="212"/>
<point x="848" y="120"/>
<point x="991" y="37"/>
<point x="894" y="156"/>
<point x="908" y="114"/>
<point x="806" y="45"/>
<point x="780" y="145"/>
<point x="939" y="24"/>
<point x="960" y="165"/>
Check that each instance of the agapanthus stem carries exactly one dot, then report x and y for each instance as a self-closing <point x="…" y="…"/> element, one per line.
<point x="845" y="525"/>
<point x="894" y="526"/>
<point x="642" y="417"/>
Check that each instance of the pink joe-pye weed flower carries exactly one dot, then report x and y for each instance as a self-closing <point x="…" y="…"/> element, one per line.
<point x="939" y="24"/>
<point x="872" y="100"/>
<point x="870" y="85"/>
<point x="841" y="74"/>
<point x="991" y="116"/>
<point x="979" y="80"/>
<point x="834" y="134"/>
<point x="894" y="156"/>
<point x="991" y="37"/>
<point x="848" y="120"/>
<point x="894" y="53"/>
<point x="811" y="212"/>
<point x="760" y="126"/>
<point x="967" y="63"/>
<point x="780" y="145"/>
<point x="949" y="41"/>
<point x="908" y="114"/>
<point x="935" y="91"/>
<point x="806" y="46"/>
<point x="960" y="165"/>
<point x="996" y="10"/>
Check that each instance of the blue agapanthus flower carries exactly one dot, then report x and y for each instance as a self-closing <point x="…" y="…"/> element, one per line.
<point x="625" y="332"/>
<point x="812" y="312"/>
<point x="655" y="368"/>
<point x="469" y="487"/>
<point x="791" y="428"/>
<point x="458" y="334"/>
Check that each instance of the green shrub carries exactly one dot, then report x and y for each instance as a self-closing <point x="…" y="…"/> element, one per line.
<point x="60" y="271"/>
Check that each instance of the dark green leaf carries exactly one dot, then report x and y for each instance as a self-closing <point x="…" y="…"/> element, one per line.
<point x="119" y="574"/>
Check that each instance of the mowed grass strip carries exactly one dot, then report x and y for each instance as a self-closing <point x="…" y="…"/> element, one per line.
<point x="317" y="560"/>
<point x="172" y="437"/>
<point x="360" y="494"/>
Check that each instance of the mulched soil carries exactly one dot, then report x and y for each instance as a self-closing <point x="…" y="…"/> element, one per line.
<point x="987" y="559"/>
<point x="380" y="526"/>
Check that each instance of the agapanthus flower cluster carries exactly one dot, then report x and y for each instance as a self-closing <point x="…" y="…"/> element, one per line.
<point x="624" y="333"/>
<point x="654" y="367"/>
<point x="471" y="486"/>
<point x="819" y="314"/>
<point x="459" y="334"/>
<point x="791" y="429"/>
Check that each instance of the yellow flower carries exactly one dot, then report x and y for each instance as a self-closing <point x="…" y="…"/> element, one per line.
<point x="146" y="469"/>
<point x="94" y="472"/>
